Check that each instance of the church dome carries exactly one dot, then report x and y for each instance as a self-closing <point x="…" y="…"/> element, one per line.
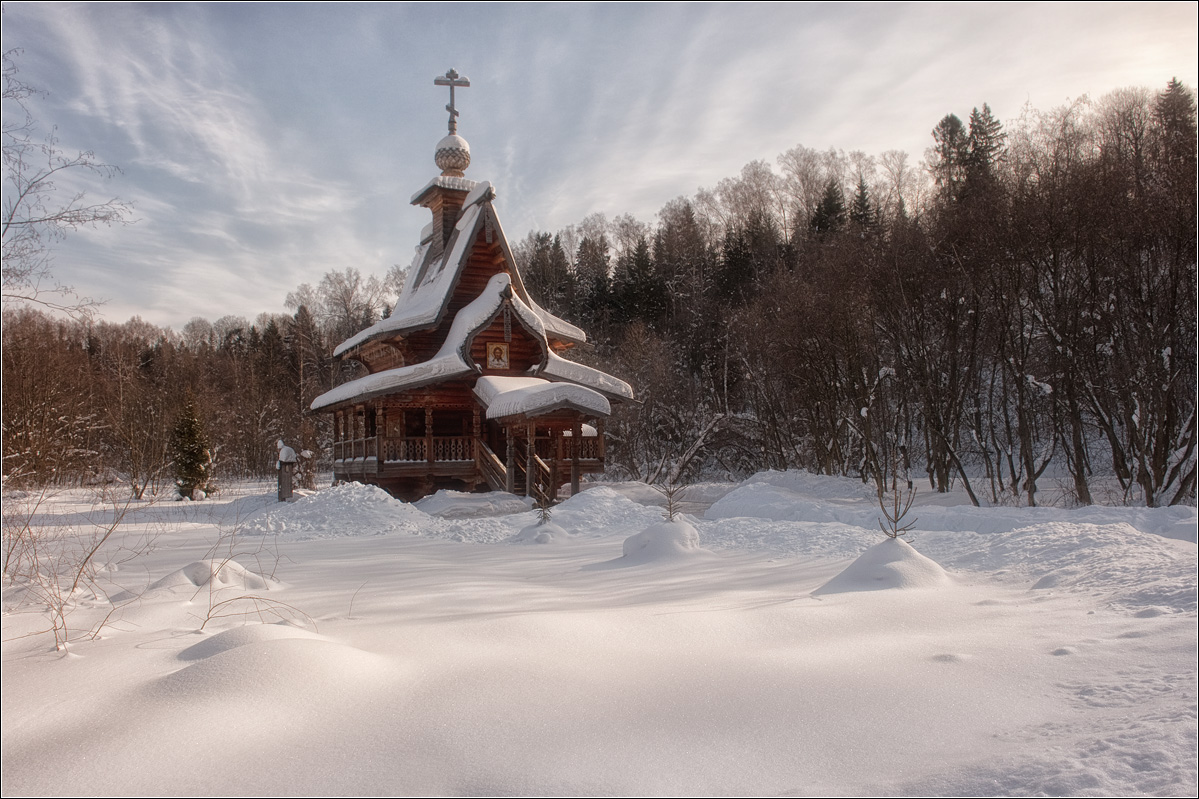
<point x="452" y="155"/>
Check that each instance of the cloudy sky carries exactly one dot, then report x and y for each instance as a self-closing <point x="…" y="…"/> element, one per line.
<point x="263" y="145"/>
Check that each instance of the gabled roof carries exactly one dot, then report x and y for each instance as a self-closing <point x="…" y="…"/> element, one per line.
<point x="453" y="359"/>
<point x="431" y="279"/>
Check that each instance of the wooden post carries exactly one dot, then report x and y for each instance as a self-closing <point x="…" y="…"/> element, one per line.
<point x="285" y="481"/>
<point x="478" y="431"/>
<point x="380" y="435"/>
<point x="576" y="433"/>
<point x="600" y="435"/>
<point x="429" y="435"/>
<point x="336" y="436"/>
<point x="530" y="463"/>
<point x="405" y="454"/>
<point x="510" y="478"/>
<point x="557" y="434"/>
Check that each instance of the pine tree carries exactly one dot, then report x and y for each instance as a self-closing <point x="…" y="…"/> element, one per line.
<point x="192" y="460"/>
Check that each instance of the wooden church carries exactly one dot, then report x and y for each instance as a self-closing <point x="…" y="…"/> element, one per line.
<point x="466" y="386"/>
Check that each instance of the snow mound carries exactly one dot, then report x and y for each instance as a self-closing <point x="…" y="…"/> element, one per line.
<point x="819" y="486"/>
<point x="694" y="497"/>
<point x="546" y="533"/>
<point x="766" y="500"/>
<point x="890" y="564"/>
<point x="600" y="507"/>
<point x="272" y="671"/>
<point x="218" y="573"/>
<point x="1130" y="568"/>
<point x="344" y="510"/>
<point x="243" y="636"/>
<point x="663" y="541"/>
<point x="461" y="505"/>
<point x="800" y="497"/>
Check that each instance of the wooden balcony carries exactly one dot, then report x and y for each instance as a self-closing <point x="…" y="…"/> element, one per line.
<point x="383" y="460"/>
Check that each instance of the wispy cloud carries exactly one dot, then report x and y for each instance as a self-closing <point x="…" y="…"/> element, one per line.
<point x="266" y="144"/>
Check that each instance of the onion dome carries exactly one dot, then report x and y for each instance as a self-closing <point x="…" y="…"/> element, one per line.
<point x="452" y="155"/>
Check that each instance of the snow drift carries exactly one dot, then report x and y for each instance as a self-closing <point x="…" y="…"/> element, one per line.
<point x="890" y="564"/>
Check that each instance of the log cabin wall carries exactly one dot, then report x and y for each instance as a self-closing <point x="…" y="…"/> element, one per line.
<point x="523" y="351"/>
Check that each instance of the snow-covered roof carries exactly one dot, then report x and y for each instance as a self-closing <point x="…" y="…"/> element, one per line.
<point x="531" y="396"/>
<point x="449" y="362"/>
<point x="427" y="289"/>
<point x="562" y="369"/>
<point x="431" y="279"/>
<point x="444" y="182"/>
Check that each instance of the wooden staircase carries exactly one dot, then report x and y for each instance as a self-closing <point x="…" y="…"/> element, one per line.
<point x="541" y="488"/>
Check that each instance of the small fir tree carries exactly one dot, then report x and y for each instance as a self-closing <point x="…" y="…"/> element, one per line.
<point x="189" y="449"/>
<point x="544" y="510"/>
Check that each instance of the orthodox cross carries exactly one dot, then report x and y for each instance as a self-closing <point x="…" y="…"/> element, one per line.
<point x="452" y="79"/>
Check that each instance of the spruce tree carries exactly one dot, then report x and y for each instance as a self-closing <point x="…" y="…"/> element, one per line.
<point x="189" y="450"/>
<point x="861" y="212"/>
<point x="948" y="157"/>
<point x="829" y="216"/>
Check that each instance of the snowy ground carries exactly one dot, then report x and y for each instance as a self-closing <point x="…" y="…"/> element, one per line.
<point x="356" y="645"/>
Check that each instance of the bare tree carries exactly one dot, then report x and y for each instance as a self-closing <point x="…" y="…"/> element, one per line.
<point x="35" y="214"/>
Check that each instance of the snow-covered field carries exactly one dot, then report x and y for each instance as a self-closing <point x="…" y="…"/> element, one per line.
<point x="351" y="644"/>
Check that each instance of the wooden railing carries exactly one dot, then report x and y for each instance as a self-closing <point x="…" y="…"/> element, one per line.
<point x="453" y="448"/>
<point x="543" y="488"/>
<point x="492" y="468"/>
<point x="467" y="449"/>
<point x="357" y="449"/>
<point x="406" y="450"/>
<point x="588" y="450"/>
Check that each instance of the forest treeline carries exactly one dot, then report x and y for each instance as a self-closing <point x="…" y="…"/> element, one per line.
<point x="1017" y="313"/>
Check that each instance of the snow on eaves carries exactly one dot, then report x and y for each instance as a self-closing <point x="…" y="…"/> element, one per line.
<point x="430" y="281"/>
<point x="556" y="326"/>
<point x="400" y="379"/>
<point x="488" y="388"/>
<point x="562" y="369"/>
<point x="448" y="363"/>
<point x="427" y="289"/>
<point x="553" y="325"/>
<point x="392" y="322"/>
<point x="444" y="182"/>
<point x="511" y="396"/>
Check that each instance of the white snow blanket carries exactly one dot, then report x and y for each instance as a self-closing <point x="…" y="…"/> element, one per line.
<point x="998" y="651"/>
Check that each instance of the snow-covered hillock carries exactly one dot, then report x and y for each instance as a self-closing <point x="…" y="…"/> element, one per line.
<point x="801" y="497"/>
<point x="601" y="508"/>
<point x="1111" y="561"/>
<point x="664" y="541"/>
<point x="546" y="533"/>
<point x="343" y="510"/>
<point x="890" y="564"/>
<point x="214" y="574"/>
<point x="448" y="504"/>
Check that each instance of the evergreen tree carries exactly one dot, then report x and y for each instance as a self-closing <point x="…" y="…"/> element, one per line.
<point x="984" y="148"/>
<point x="861" y="213"/>
<point x="1175" y="111"/>
<point x="830" y="212"/>
<point x="192" y="460"/>
<point x="593" y="295"/>
<point x="947" y="159"/>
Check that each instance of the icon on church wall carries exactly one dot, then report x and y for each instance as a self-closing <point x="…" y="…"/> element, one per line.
<point x="497" y="356"/>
